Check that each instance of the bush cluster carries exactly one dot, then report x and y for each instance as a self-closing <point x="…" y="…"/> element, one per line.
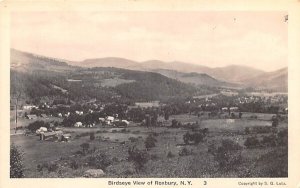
<point x="196" y="137"/>
<point x="99" y="161"/>
<point x="150" y="142"/>
<point x="228" y="154"/>
<point x="139" y="157"/>
<point x="279" y="139"/>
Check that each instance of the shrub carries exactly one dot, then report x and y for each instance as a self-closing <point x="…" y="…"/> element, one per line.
<point x="275" y="122"/>
<point x="132" y="139"/>
<point x="139" y="157"/>
<point x="175" y="123"/>
<point x="52" y="167"/>
<point x="74" y="164"/>
<point x="99" y="161"/>
<point x="283" y="137"/>
<point x="37" y="124"/>
<point x="252" y="142"/>
<point x="39" y="168"/>
<point x="92" y="136"/>
<point x="184" y="152"/>
<point x="154" y="157"/>
<point x="228" y="155"/>
<point x="196" y="137"/>
<point x="274" y="163"/>
<point x="253" y="116"/>
<point x="186" y="138"/>
<point x="269" y="140"/>
<point x="247" y="130"/>
<point x="170" y="154"/>
<point x="16" y="162"/>
<point x="262" y="129"/>
<point x="150" y="142"/>
<point x="85" y="147"/>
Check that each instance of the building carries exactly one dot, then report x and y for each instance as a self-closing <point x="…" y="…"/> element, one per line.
<point x="31" y="116"/>
<point x="29" y="107"/>
<point x="78" y="124"/>
<point x="44" y="116"/>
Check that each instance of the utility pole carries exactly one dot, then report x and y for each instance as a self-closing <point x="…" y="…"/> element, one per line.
<point x="16" y="115"/>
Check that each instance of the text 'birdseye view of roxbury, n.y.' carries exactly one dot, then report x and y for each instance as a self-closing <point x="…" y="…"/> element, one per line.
<point x="149" y="94"/>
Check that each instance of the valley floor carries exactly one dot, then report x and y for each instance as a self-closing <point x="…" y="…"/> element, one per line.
<point x="166" y="159"/>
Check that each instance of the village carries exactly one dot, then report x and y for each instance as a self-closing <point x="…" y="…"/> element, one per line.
<point x="118" y="128"/>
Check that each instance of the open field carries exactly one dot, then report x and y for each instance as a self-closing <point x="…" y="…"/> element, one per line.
<point x="115" y="142"/>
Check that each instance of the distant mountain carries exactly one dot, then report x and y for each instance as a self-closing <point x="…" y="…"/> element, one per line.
<point x="108" y="62"/>
<point x="235" y="73"/>
<point x="37" y="77"/>
<point x="229" y="76"/>
<point x="194" y="78"/>
<point x="232" y="73"/>
<point x="28" y="62"/>
<point x="276" y="80"/>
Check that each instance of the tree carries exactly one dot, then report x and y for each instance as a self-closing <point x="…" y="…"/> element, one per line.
<point x="186" y="138"/>
<point x="140" y="158"/>
<point x="92" y="136"/>
<point x="228" y="155"/>
<point x="150" y="142"/>
<point x="167" y="115"/>
<point x="240" y="115"/>
<point x="275" y="122"/>
<point x="37" y="124"/>
<point x="85" y="147"/>
<point x="16" y="162"/>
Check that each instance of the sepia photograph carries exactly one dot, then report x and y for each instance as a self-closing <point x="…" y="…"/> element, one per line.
<point x="149" y="94"/>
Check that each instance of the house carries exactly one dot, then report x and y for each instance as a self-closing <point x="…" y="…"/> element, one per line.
<point x="224" y="109"/>
<point x="47" y="135"/>
<point x="66" y="137"/>
<point x="125" y="121"/>
<point x="31" y="116"/>
<point x="101" y="119"/>
<point x="51" y="135"/>
<point x="78" y="124"/>
<point x="110" y="118"/>
<point x="41" y="130"/>
<point x="29" y="107"/>
<point x="79" y="112"/>
<point x="234" y="109"/>
<point x="44" y="116"/>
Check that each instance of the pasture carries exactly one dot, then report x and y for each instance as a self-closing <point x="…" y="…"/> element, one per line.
<point x="164" y="160"/>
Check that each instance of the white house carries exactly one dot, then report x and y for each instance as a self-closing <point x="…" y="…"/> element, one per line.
<point x="234" y="109"/>
<point x="78" y="124"/>
<point x="125" y="121"/>
<point x="110" y="118"/>
<point x="41" y="130"/>
<point x="79" y="112"/>
<point x="29" y="107"/>
<point x="101" y="119"/>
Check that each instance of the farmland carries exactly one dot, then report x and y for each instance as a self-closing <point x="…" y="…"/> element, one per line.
<point x="165" y="159"/>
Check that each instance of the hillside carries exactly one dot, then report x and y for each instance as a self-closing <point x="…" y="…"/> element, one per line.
<point x="232" y="73"/>
<point x="197" y="79"/>
<point x="235" y="73"/>
<point x="107" y="62"/>
<point x="37" y="77"/>
<point x="276" y="80"/>
<point x="28" y="62"/>
<point x="229" y="76"/>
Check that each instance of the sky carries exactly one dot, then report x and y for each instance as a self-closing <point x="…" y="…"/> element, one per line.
<point x="214" y="38"/>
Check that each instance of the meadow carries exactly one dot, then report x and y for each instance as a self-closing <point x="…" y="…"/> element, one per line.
<point x="170" y="157"/>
